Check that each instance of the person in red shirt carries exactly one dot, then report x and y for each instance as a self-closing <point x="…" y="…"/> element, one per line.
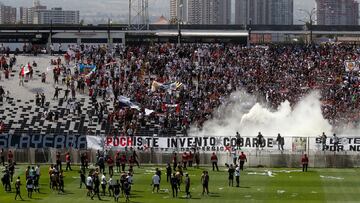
<point x="117" y="161"/>
<point x="174" y="159"/>
<point x="10" y="157"/>
<point x="123" y="162"/>
<point x="2" y="127"/>
<point x="242" y="159"/>
<point x="68" y="161"/>
<point x="214" y="161"/>
<point x="190" y="159"/>
<point x="184" y="159"/>
<point x="110" y="163"/>
<point x="305" y="162"/>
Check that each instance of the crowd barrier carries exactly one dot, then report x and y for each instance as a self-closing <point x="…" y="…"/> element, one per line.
<point x="259" y="158"/>
<point x="335" y="152"/>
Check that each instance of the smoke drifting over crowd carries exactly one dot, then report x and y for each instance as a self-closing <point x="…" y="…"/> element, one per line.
<point x="244" y="114"/>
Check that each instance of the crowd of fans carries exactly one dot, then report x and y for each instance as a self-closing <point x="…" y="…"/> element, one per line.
<point x="206" y="74"/>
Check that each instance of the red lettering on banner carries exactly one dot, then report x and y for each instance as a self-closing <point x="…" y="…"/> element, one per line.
<point x="116" y="142"/>
<point x="123" y="141"/>
<point x="109" y="141"/>
<point x="129" y="141"/>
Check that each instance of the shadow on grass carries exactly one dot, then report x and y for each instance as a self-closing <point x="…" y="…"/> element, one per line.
<point x="139" y="196"/>
<point x="192" y="198"/>
<point x="244" y="187"/>
<point x="213" y="194"/>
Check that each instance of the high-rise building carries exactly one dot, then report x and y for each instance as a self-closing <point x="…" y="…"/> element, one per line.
<point x="7" y="14"/>
<point x="39" y="14"/>
<point x="178" y="10"/>
<point x="201" y="11"/>
<point x="195" y="11"/>
<point x="264" y="12"/>
<point x="56" y="16"/>
<point x="337" y="12"/>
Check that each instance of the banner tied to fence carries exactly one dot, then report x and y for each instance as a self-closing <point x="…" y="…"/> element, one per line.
<point x="170" y="144"/>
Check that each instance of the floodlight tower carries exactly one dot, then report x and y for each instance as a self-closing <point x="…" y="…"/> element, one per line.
<point x="138" y="14"/>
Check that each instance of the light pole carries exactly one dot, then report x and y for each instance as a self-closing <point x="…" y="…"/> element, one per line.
<point x="179" y="20"/>
<point x="309" y="23"/>
<point x="109" y="32"/>
<point x="249" y="32"/>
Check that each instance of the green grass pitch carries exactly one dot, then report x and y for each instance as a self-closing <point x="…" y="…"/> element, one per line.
<point x="286" y="185"/>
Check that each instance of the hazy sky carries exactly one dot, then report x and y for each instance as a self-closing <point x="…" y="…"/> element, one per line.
<point x="120" y="7"/>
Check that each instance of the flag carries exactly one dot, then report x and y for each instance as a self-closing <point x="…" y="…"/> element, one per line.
<point x="165" y="107"/>
<point x="91" y="72"/>
<point x="155" y="86"/>
<point x="351" y="66"/>
<point x="165" y="86"/>
<point x="125" y="101"/>
<point x="175" y="85"/>
<point x="25" y="70"/>
<point x="86" y="68"/>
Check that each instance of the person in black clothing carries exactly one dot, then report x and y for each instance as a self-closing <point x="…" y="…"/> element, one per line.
<point x="17" y="188"/>
<point x="66" y="94"/>
<point x="336" y="141"/>
<point x="83" y="162"/>
<point x="231" y="172"/>
<point x="135" y="157"/>
<point x="238" y="140"/>
<point x="117" y="191"/>
<point x="58" y="161"/>
<point x="42" y="99"/>
<point x="6" y="180"/>
<point x="158" y="172"/>
<point x="260" y="140"/>
<point x="2" y="156"/>
<point x="96" y="187"/>
<point x="187" y="186"/>
<point x="174" y="185"/>
<point x="280" y="142"/>
<point x="82" y="178"/>
<point x="323" y="141"/>
<point x="205" y="182"/>
<point x="168" y="172"/>
<point x="127" y="188"/>
<point x="61" y="182"/>
<point x="56" y="94"/>
<point x="101" y="164"/>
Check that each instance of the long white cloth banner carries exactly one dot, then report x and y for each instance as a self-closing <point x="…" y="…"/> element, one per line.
<point x="202" y="143"/>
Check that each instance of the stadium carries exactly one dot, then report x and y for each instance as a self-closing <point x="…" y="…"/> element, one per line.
<point x="179" y="113"/>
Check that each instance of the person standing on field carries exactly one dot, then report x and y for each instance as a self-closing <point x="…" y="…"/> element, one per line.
<point x="17" y="188"/>
<point x="156" y="182"/>
<point x="205" y="182"/>
<point x="231" y="172"/>
<point x="237" y="176"/>
<point x="305" y="162"/>
<point x="187" y="185"/>
<point x="214" y="161"/>
<point x="242" y="159"/>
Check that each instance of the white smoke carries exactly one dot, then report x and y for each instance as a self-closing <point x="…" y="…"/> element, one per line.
<point x="241" y="113"/>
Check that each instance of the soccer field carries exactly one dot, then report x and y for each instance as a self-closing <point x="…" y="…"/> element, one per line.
<point x="257" y="185"/>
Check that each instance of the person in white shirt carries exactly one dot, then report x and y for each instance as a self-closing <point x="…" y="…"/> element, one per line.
<point x="37" y="170"/>
<point x="103" y="183"/>
<point x="89" y="185"/>
<point x="237" y="176"/>
<point x="111" y="184"/>
<point x="156" y="183"/>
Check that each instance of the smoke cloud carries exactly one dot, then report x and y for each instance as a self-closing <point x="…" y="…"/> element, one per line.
<point x="242" y="113"/>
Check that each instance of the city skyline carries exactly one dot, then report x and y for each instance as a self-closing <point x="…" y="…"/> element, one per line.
<point x="98" y="11"/>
